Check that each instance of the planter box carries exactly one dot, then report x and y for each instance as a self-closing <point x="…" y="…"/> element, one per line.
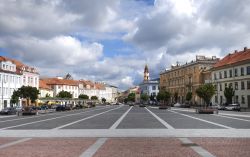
<point x="206" y="111"/>
<point x="163" y="107"/>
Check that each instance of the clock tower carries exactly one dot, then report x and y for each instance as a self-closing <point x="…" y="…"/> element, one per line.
<point x="146" y="73"/>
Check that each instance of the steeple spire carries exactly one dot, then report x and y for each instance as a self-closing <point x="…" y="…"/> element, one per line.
<point x="146" y="73"/>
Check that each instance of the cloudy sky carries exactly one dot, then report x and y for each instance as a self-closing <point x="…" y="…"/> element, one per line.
<point x="112" y="40"/>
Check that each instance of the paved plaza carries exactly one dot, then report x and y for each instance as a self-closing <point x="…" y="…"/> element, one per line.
<point x="126" y="131"/>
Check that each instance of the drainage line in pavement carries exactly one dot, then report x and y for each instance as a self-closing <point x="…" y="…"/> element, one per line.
<point x="198" y="149"/>
<point x="14" y="142"/>
<point x="93" y="148"/>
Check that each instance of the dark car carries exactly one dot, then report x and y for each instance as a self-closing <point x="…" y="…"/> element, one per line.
<point x="60" y="108"/>
<point x="8" y="110"/>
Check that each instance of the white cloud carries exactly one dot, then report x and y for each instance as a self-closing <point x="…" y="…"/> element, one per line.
<point x="61" y="50"/>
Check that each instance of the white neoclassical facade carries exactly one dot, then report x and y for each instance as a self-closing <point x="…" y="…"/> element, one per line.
<point x="233" y="70"/>
<point x="13" y="75"/>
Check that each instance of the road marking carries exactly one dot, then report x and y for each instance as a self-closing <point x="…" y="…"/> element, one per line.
<point x="224" y="126"/>
<point x="62" y="126"/>
<point x="14" y="142"/>
<point x="160" y="120"/>
<point x="48" y="119"/>
<point x="233" y="118"/>
<point x="8" y="116"/>
<point x="93" y="148"/>
<point x="114" y="126"/>
<point x="235" y="115"/>
<point x="198" y="149"/>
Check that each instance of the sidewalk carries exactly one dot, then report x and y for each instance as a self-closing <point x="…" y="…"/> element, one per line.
<point x="221" y="112"/>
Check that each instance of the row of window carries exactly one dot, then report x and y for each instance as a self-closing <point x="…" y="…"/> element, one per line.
<point x="243" y="85"/>
<point x="6" y="91"/>
<point x="68" y="87"/>
<point x="10" y="79"/>
<point x="233" y="73"/>
<point x="30" y="80"/>
<point x="235" y="99"/>
<point x="8" y="67"/>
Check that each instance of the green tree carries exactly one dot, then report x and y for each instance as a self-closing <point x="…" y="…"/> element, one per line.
<point x="64" y="94"/>
<point x="229" y="93"/>
<point x="163" y="96"/>
<point x="206" y="92"/>
<point x="83" y="96"/>
<point x="144" y="97"/>
<point x="47" y="95"/>
<point x="189" y="96"/>
<point x="94" y="98"/>
<point x="131" y="97"/>
<point x="103" y="100"/>
<point x="15" y="97"/>
<point x="27" y="92"/>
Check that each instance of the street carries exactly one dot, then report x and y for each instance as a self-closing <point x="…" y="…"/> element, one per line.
<point x="126" y="131"/>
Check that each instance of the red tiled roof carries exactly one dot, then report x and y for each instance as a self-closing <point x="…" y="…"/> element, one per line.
<point x="18" y="64"/>
<point x="56" y="81"/>
<point x="43" y="85"/>
<point x="87" y="82"/>
<point x="99" y="86"/>
<point x="234" y="58"/>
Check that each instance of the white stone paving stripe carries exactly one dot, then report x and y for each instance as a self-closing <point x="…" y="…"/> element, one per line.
<point x="224" y="126"/>
<point x="7" y="116"/>
<point x="114" y="126"/>
<point x="160" y="120"/>
<point x="14" y="142"/>
<point x="14" y="126"/>
<point x="62" y="126"/>
<point x="231" y="133"/>
<point x="233" y="118"/>
<point x="93" y="148"/>
<point x="198" y="149"/>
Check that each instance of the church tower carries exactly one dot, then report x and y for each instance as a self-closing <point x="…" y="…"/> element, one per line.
<point x="146" y="73"/>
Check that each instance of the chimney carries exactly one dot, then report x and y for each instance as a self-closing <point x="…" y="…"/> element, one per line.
<point x="245" y="49"/>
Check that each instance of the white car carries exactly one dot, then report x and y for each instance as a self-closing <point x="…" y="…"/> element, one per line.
<point x="233" y="107"/>
<point x="177" y="105"/>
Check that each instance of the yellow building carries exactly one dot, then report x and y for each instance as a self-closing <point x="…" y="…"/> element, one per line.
<point x="181" y="79"/>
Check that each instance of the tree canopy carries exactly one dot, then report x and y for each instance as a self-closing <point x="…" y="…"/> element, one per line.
<point x="83" y="96"/>
<point x="144" y="97"/>
<point x="26" y="92"/>
<point x="131" y="97"/>
<point x="206" y="92"/>
<point x="189" y="96"/>
<point x="229" y="93"/>
<point x="64" y="94"/>
<point x="163" y="95"/>
<point x="94" y="98"/>
<point x="103" y="100"/>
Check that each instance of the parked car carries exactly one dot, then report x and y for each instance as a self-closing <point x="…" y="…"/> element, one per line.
<point x="177" y="105"/>
<point x="8" y="110"/>
<point x="233" y="107"/>
<point x="60" y="108"/>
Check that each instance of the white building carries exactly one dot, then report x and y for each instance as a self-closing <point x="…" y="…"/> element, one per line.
<point x="149" y="87"/>
<point x="45" y="90"/>
<point x="59" y="84"/>
<point x="100" y="90"/>
<point x="233" y="70"/>
<point x="13" y="75"/>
